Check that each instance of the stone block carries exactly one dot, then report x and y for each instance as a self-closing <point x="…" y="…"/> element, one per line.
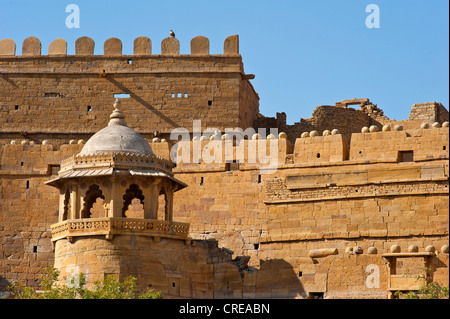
<point x="84" y="46"/>
<point x="7" y="47"/>
<point x="31" y="46"/>
<point x="170" y="46"/>
<point x="57" y="47"/>
<point x="112" y="46"/>
<point x="200" y="45"/>
<point x="142" y="46"/>
<point x="231" y="45"/>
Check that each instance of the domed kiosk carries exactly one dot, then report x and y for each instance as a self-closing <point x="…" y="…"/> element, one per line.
<point x="116" y="175"/>
<point x="113" y="188"/>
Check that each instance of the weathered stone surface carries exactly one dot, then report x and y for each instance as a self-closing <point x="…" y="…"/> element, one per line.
<point x="112" y="46"/>
<point x="7" y="47"/>
<point x="57" y="47"/>
<point x="31" y="46"/>
<point x="323" y="252"/>
<point x="430" y="249"/>
<point x="231" y="45"/>
<point x="413" y="249"/>
<point x="84" y="46"/>
<point x="170" y="46"/>
<point x="142" y="46"/>
<point x="200" y="45"/>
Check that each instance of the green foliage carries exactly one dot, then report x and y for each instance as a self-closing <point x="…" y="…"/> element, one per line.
<point x="109" y="288"/>
<point x="433" y="291"/>
<point x="430" y="290"/>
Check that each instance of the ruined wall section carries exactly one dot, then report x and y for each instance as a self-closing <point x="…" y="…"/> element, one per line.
<point x="324" y="117"/>
<point x="347" y="119"/>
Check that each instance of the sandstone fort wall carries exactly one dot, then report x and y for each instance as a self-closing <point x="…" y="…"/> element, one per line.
<point x="343" y="198"/>
<point x="346" y="181"/>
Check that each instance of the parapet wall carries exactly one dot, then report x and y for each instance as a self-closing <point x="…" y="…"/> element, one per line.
<point x="324" y="117"/>
<point x="420" y="144"/>
<point x="85" y="46"/>
<point x="388" y="144"/>
<point x="217" y="153"/>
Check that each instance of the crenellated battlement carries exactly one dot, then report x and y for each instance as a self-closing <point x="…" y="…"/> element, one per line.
<point x="142" y="46"/>
<point x="160" y="91"/>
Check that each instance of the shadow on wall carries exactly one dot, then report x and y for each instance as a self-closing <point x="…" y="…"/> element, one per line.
<point x="276" y="278"/>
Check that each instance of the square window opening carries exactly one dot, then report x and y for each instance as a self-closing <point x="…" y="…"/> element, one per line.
<point x="406" y="156"/>
<point x="121" y="96"/>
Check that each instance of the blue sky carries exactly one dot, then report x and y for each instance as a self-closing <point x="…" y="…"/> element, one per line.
<point x="303" y="53"/>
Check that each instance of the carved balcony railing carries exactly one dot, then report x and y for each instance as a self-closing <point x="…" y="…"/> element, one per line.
<point x="110" y="226"/>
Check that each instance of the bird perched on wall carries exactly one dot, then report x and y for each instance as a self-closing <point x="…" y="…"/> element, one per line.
<point x="172" y="34"/>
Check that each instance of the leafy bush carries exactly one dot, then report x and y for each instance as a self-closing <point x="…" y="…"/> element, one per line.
<point x="430" y="290"/>
<point x="109" y="288"/>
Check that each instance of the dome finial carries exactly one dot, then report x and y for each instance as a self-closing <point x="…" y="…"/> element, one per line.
<point x="117" y="117"/>
<point x="116" y="103"/>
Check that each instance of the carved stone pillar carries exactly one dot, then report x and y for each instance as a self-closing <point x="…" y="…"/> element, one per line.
<point x="115" y="204"/>
<point x="169" y="205"/>
<point x="62" y="197"/>
<point x="74" y="211"/>
<point x="155" y="188"/>
<point x="147" y="192"/>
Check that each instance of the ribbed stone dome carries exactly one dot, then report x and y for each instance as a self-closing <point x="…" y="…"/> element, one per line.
<point x="117" y="137"/>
